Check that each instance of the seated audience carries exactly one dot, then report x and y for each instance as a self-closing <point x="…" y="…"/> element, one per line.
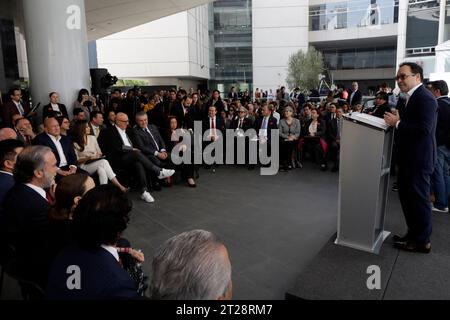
<point x="24" y="131"/>
<point x="7" y="133"/>
<point x="90" y="157"/>
<point x="96" y="123"/>
<point x="121" y="154"/>
<point x="9" y="149"/>
<point x="100" y="218"/>
<point x="64" y="125"/>
<point x="54" y="108"/>
<point x="61" y="146"/>
<point x="26" y="209"/>
<point x="172" y="139"/>
<point x="313" y="134"/>
<point x="334" y="129"/>
<point x="289" y="135"/>
<point x="193" y="265"/>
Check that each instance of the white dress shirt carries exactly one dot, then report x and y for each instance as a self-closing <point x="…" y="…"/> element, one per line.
<point x="19" y="107"/>
<point x="62" y="156"/>
<point x="124" y="137"/>
<point x="38" y="190"/>
<point x="111" y="250"/>
<point x="55" y="107"/>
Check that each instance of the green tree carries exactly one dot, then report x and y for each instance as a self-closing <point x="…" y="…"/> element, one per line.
<point x="304" y="69"/>
<point x="130" y="83"/>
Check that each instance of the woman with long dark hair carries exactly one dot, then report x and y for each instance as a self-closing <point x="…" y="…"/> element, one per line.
<point x="171" y="138"/>
<point x="90" y="157"/>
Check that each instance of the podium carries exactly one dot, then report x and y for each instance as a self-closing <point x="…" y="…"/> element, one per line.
<point x="365" y="157"/>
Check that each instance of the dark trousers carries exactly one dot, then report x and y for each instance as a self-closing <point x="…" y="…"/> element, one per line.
<point x="312" y="146"/>
<point x="142" y="166"/>
<point x="286" y="150"/>
<point x="413" y="189"/>
<point x="334" y="147"/>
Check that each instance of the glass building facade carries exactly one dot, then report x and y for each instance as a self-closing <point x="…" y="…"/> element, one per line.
<point x="352" y="14"/>
<point x="364" y="58"/>
<point x="231" y="45"/>
<point x="422" y="27"/>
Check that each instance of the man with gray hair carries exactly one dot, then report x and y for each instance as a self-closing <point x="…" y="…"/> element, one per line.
<point x="26" y="209"/>
<point x="193" y="265"/>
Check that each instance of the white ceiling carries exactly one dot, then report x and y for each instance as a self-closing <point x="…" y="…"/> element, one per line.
<point x="105" y="17"/>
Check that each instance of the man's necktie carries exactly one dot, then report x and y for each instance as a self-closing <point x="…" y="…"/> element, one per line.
<point x="20" y="108"/>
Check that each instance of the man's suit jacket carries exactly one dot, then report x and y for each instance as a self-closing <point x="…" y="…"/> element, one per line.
<point x="357" y="98"/>
<point x="92" y="132"/>
<point x="272" y="124"/>
<point x="177" y="110"/>
<point x="47" y="110"/>
<point x="416" y="133"/>
<point x="113" y="147"/>
<point x="332" y="130"/>
<point x="379" y="111"/>
<point x="443" y="122"/>
<point x="6" y="183"/>
<point x="10" y="109"/>
<point x="144" y="141"/>
<point x="44" y="140"/>
<point x="25" y="216"/>
<point x="246" y="124"/>
<point x="220" y="125"/>
<point x="102" y="277"/>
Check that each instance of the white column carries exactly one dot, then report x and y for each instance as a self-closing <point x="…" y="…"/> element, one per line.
<point x="57" y="49"/>
<point x="441" y="21"/>
<point x="402" y="24"/>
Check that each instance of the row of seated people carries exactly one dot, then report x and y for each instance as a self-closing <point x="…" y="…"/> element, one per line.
<point x="72" y="247"/>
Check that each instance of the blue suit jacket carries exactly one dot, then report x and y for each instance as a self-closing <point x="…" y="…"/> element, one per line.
<point x="6" y="183"/>
<point x="44" y="140"/>
<point x="101" y="276"/>
<point x="416" y="133"/>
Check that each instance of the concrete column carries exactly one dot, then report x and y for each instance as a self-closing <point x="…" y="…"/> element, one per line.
<point x="57" y="49"/>
<point x="441" y="21"/>
<point x="402" y="24"/>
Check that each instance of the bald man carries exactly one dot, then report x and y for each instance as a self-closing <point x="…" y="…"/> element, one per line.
<point x="7" y="133"/>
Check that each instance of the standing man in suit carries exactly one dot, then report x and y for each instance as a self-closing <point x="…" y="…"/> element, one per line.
<point x="15" y="106"/>
<point x="416" y="137"/>
<point x="54" y="108"/>
<point x="334" y="129"/>
<point x="355" y="97"/>
<point x="441" y="175"/>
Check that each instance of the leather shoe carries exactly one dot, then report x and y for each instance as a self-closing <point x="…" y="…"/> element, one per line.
<point x="413" y="247"/>
<point x="398" y="238"/>
<point x="156" y="186"/>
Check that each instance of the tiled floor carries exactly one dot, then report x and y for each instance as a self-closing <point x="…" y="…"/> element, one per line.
<point x="273" y="226"/>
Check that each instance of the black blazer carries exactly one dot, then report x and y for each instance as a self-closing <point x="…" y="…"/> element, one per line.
<point x="102" y="277"/>
<point x="443" y="122"/>
<point x="6" y="183"/>
<point x="331" y="132"/>
<point x="416" y="133"/>
<point x="357" y="98"/>
<point x="25" y="216"/>
<point x="47" y="110"/>
<point x="271" y="125"/>
<point x="321" y="128"/>
<point x="379" y="111"/>
<point x="144" y="141"/>
<point x="112" y="145"/>
<point x="44" y="140"/>
<point x="10" y="109"/>
<point x="247" y="124"/>
<point x="220" y="125"/>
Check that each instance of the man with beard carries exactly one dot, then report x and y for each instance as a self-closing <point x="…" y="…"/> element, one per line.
<point x="26" y="210"/>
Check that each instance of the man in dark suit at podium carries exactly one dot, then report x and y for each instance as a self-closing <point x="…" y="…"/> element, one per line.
<point x="416" y="143"/>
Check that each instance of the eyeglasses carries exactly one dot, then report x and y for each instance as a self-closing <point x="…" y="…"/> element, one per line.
<point x="404" y="76"/>
<point x="122" y="120"/>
